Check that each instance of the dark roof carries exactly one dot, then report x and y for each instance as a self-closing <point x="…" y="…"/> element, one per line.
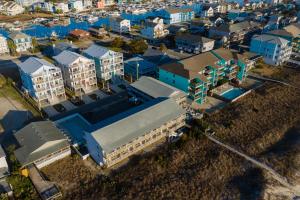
<point x="37" y="140"/>
<point x="236" y="27"/>
<point x="192" y="38"/>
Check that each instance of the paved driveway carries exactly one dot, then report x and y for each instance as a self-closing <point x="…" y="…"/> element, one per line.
<point x="100" y="94"/>
<point x="87" y="99"/>
<point x="50" y="111"/>
<point x="68" y="105"/>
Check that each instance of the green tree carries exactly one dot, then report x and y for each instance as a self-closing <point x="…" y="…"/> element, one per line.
<point x="38" y="9"/>
<point x="138" y="46"/>
<point x="35" y="45"/>
<point x="59" y="11"/>
<point x="117" y="42"/>
<point x="163" y="47"/>
<point x="12" y="48"/>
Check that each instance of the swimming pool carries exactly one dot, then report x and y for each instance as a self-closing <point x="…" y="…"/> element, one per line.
<point x="233" y="93"/>
<point x="74" y="126"/>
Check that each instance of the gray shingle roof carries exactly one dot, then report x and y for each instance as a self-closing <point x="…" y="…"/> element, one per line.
<point x="38" y="139"/>
<point x="96" y="51"/>
<point x="271" y="39"/>
<point x="123" y="128"/>
<point x="18" y="35"/>
<point x="156" y="88"/>
<point x="192" y="38"/>
<point x="67" y="57"/>
<point x="32" y="64"/>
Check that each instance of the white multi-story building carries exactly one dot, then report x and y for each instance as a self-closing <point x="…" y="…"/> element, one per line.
<point x="42" y="81"/>
<point x="22" y="41"/>
<point x="3" y="45"/>
<point x="154" y="29"/>
<point x="119" y="25"/>
<point x="275" y="50"/>
<point x="11" y="8"/>
<point x="76" y="5"/>
<point x="109" y="64"/>
<point x="27" y="3"/>
<point x="78" y="71"/>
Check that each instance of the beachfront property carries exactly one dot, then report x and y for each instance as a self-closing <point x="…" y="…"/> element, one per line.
<point x="197" y="74"/>
<point x="42" y="81"/>
<point x="41" y="143"/>
<point x="127" y="133"/>
<point x="109" y="64"/>
<point x="275" y="50"/>
<point x="235" y="33"/>
<point x="3" y="45"/>
<point x="176" y="15"/>
<point x="79" y="72"/>
<point x="137" y="67"/>
<point x="11" y="8"/>
<point x="193" y="43"/>
<point x="148" y="88"/>
<point x="22" y="41"/>
<point x="119" y="25"/>
<point x="154" y="29"/>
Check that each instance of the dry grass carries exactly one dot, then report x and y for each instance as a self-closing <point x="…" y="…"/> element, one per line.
<point x="259" y="124"/>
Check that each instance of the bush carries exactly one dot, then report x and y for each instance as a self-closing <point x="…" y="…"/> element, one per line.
<point x="138" y="46"/>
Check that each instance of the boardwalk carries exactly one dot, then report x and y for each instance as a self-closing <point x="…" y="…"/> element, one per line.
<point x="273" y="173"/>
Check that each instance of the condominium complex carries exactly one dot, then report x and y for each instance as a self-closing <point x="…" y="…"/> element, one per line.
<point x="3" y="45"/>
<point x="119" y="25"/>
<point x="176" y="15"/>
<point x="275" y="50"/>
<point x="79" y="72"/>
<point x="197" y="74"/>
<point x="22" y="41"/>
<point x="109" y="64"/>
<point x="42" y="81"/>
<point x="127" y="133"/>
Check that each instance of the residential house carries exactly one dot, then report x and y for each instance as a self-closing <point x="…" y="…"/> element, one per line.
<point x="119" y="25"/>
<point x="197" y="74"/>
<point x="154" y="29"/>
<point x="3" y="45"/>
<point x="137" y="66"/>
<point x="57" y="48"/>
<point x="127" y="133"/>
<point x="42" y="81"/>
<point x="193" y="43"/>
<point x="11" y="8"/>
<point x="79" y="34"/>
<point x="221" y="8"/>
<point x="63" y="7"/>
<point x="207" y="11"/>
<point x="109" y="64"/>
<point x="235" y="33"/>
<point x="87" y="3"/>
<point x="104" y="3"/>
<point x="27" y="3"/>
<point x="176" y="15"/>
<point x="97" y="31"/>
<point x="234" y="14"/>
<point x="41" y="143"/>
<point x="76" y="5"/>
<point x="148" y="88"/>
<point x="79" y="72"/>
<point x="22" y="41"/>
<point x="199" y="26"/>
<point x="4" y="170"/>
<point x="275" y="50"/>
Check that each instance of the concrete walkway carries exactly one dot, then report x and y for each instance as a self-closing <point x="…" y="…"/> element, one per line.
<point x="273" y="173"/>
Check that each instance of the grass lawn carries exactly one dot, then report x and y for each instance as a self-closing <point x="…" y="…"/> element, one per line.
<point x="10" y="92"/>
<point x="265" y="70"/>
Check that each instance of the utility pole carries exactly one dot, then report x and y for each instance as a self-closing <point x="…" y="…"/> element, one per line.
<point x="137" y="70"/>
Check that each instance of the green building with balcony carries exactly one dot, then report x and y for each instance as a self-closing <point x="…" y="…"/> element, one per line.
<point x="198" y="74"/>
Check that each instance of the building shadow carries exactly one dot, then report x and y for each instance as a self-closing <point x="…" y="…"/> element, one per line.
<point x="251" y="184"/>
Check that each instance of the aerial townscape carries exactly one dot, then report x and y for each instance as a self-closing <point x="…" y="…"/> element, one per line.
<point x="150" y="99"/>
